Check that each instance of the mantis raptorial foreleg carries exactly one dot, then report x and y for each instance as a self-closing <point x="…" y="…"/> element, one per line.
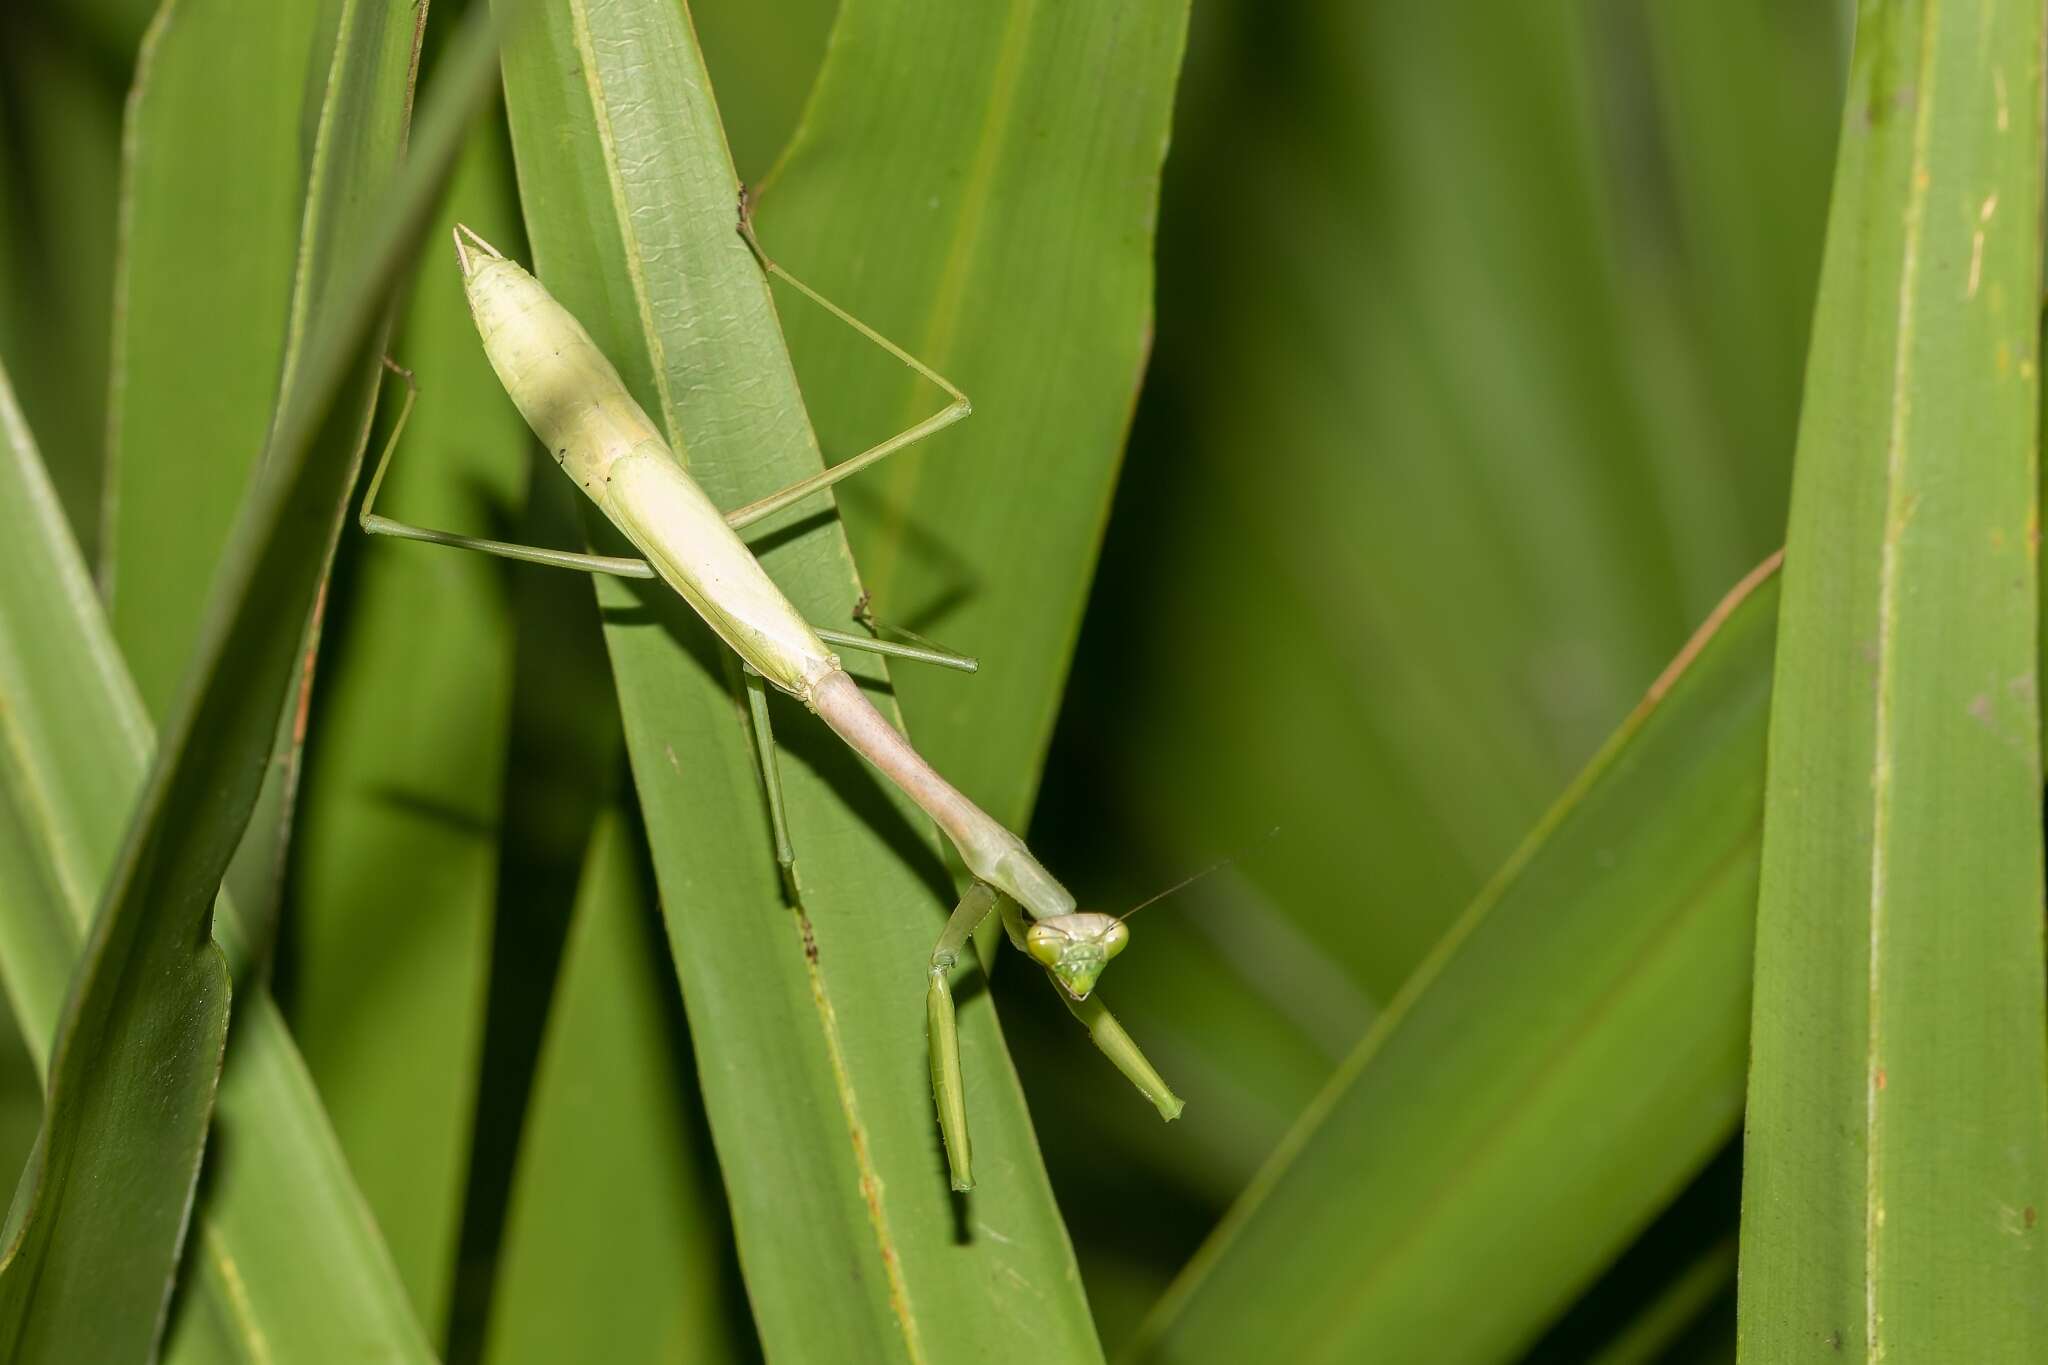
<point x="949" y="1090"/>
<point x="1103" y="1029"/>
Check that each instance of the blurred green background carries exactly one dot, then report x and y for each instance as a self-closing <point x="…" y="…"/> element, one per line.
<point x="1480" y="337"/>
<point x="1477" y="360"/>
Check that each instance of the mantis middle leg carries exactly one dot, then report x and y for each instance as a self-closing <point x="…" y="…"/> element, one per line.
<point x="771" y="779"/>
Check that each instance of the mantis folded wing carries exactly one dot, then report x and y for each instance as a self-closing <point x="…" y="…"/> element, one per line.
<point x="574" y="400"/>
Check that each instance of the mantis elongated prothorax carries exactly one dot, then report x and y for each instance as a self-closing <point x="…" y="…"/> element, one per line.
<point x="573" y="398"/>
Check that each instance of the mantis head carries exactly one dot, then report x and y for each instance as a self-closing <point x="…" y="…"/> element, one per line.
<point x="1075" y="948"/>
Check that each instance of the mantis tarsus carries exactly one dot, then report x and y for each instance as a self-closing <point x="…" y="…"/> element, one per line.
<point x="574" y="400"/>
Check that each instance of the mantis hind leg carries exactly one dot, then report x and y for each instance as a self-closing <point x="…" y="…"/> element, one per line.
<point x="910" y="647"/>
<point x="817" y="483"/>
<point x="895" y="642"/>
<point x="878" y="629"/>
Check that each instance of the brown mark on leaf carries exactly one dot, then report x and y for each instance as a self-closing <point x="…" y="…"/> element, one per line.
<point x="1721" y="612"/>
<point x="303" y="713"/>
<point x="1984" y="709"/>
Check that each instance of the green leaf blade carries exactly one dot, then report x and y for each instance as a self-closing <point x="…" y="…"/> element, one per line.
<point x="97" y="1222"/>
<point x="985" y="195"/>
<point x="616" y="1206"/>
<point x="191" y="814"/>
<point x="213" y="136"/>
<point x="982" y="187"/>
<point x="1897" y="1142"/>
<point x="396" y="854"/>
<point x="1477" y="1134"/>
<point x="286" y="1258"/>
<point x="809" y="1026"/>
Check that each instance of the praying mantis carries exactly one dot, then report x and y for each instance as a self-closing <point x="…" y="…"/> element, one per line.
<point x="573" y="398"/>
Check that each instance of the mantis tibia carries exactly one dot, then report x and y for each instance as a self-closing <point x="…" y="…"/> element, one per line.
<point x="574" y="400"/>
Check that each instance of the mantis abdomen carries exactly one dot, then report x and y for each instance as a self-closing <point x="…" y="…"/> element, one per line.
<point x="574" y="400"/>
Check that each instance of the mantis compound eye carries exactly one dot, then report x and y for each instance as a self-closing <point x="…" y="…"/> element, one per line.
<point x="1075" y="948"/>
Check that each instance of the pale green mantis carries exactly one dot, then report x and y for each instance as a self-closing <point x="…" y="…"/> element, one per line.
<point x="574" y="400"/>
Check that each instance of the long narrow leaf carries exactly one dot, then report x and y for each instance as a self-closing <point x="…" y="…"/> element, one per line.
<point x="996" y="215"/>
<point x="308" y="474"/>
<point x="204" y="778"/>
<point x="397" y="846"/>
<point x="216" y="131"/>
<point x="1477" y="1136"/>
<point x="305" y="137"/>
<point x="616" y="1245"/>
<point x="564" y="764"/>
<point x="808" y="1023"/>
<point x="285" y="1253"/>
<point x="1896" y="1154"/>
<point x="97" y="1222"/>
<point x="214" y="137"/>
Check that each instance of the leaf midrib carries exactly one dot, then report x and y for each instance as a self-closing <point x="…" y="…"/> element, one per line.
<point x="1896" y="516"/>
